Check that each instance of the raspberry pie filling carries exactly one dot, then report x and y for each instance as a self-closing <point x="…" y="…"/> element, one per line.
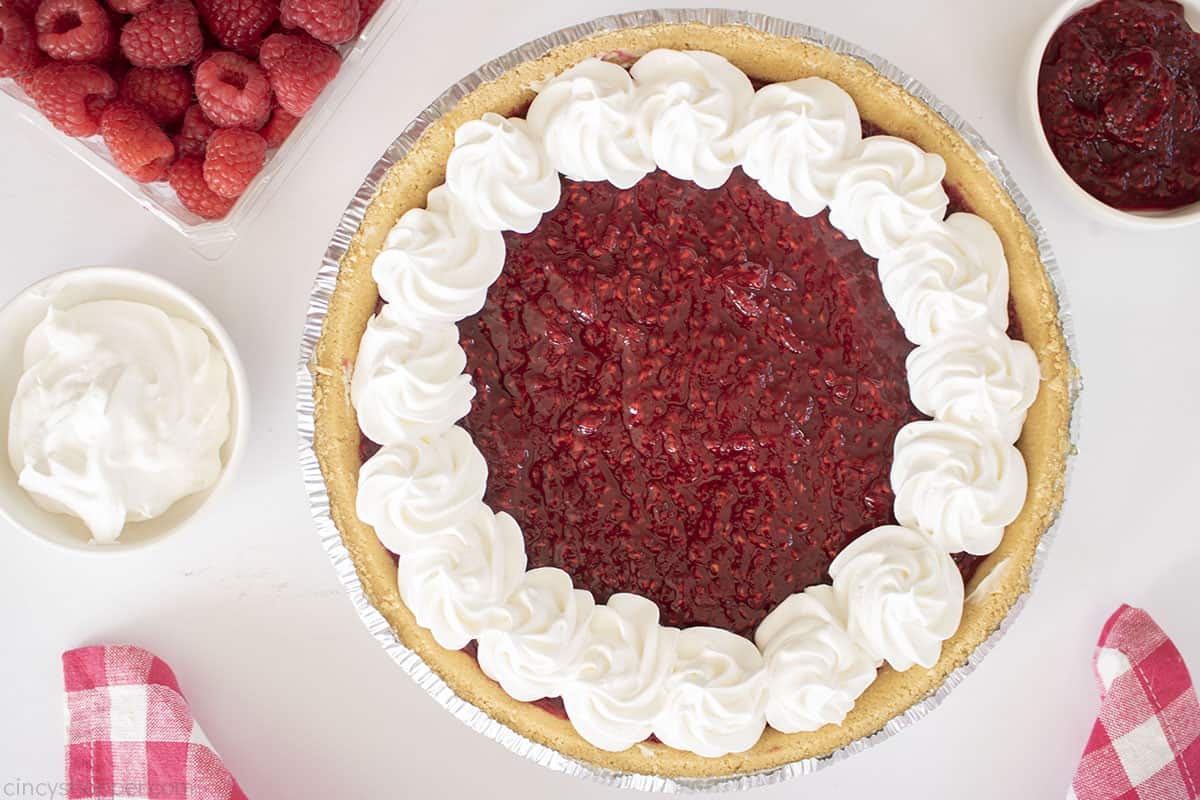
<point x="675" y="464"/>
<point x="686" y="394"/>
<point x="1119" y="98"/>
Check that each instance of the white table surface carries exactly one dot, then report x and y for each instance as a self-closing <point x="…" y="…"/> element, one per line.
<point x="297" y="697"/>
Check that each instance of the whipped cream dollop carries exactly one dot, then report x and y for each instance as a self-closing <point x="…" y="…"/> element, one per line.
<point x="902" y="595"/>
<point x="413" y="492"/>
<point x="584" y="119"/>
<point x="951" y="277"/>
<point x="689" y="109"/>
<point x="437" y="264"/>
<point x="457" y="585"/>
<point x="816" y="671"/>
<point x="960" y="485"/>
<point x="501" y="174"/>
<point x="121" y="410"/>
<point x="617" y="687"/>
<point x="976" y="379"/>
<point x="538" y="649"/>
<point x="715" y="694"/>
<point x="408" y="379"/>
<point x="797" y="138"/>
<point x="889" y="191"/>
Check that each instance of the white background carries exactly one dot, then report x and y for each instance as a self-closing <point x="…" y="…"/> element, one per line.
<point x="302" y="703"/>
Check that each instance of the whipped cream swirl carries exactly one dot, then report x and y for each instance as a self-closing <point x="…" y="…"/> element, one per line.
<point x="412" y="492"/>
<point x="715" y="694"/>
<point x="617" y="688"/>
<point x="797" y="139"/>
<point x="408" y="380"/>
<point x="501" y="174"/>
<point x="815" y="669"/>
<point x="889" y="192"/>
<point x="976" y="379"/>
<point x="902" y="595"/>
<point x="960" y="485"/>
<point x="121" y="410"/>
<point x="538" y="649"/>
<point x="584" y="119"/>
<point x="689" y="109"/>
<point x="951" y="277"/>
<point x="436" y="264"/>
<point x="456" y="587"/>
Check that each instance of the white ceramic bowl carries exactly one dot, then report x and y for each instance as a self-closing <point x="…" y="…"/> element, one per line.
<point x="70" y="288"/>
<point x="1184" y="215"/>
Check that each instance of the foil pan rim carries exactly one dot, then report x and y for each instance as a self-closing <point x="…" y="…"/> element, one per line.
<point x="322" y="291"/>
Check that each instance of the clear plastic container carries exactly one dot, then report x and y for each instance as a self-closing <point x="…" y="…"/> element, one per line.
<point x="212" y="238"/>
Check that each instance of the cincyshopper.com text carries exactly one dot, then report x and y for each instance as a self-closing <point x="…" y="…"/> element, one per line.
<point x="62" y="789"/>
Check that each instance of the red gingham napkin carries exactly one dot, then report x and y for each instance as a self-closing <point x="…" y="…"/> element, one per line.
<point x="1146" y="742"/>
<point x="130" y="734"/>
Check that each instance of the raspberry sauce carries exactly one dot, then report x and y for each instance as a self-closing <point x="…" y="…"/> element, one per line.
<point x="1118" y="98"/>
<point x="687" y="394"/>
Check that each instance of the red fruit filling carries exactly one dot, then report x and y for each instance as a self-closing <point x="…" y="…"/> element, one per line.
<point x="688" y="394"/>
<point x="1119" y="98"/>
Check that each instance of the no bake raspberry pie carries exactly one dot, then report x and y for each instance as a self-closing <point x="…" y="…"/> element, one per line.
<point x="696" y="410"/>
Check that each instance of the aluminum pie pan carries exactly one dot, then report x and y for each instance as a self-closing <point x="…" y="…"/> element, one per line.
<point x="325" y="283"/>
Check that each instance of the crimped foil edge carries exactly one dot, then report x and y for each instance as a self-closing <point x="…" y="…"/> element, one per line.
<point x="326" y="279"/>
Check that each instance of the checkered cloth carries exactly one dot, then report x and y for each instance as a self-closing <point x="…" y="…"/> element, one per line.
<point x="130" y="734"/>
<point x="1146" y="742"/>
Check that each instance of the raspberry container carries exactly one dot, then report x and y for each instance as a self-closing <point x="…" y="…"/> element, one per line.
<point x="211" y="239"/>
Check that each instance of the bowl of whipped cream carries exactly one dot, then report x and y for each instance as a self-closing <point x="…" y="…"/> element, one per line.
<point x="122" y="407"/>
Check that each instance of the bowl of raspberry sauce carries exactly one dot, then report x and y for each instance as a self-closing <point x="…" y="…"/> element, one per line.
<point x="1113" y="97"/>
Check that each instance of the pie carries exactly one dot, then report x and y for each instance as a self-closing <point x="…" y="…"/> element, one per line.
<point x="678" y="495"/>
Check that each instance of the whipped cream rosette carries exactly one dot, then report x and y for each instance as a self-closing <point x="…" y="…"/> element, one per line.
<point x="408" y="379"/>
<point x="501" y="174"/>
<point x="584" y="119"/>
<point x="797" y="136"/>
<point x="436" y="264"/>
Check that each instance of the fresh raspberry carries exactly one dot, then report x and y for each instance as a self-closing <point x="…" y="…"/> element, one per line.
<point x="239" y="24"/>
<point x="130" y="6"/>
<point x="138" y="146"/>
<point x="233" y="91"/>
<point x="367" y="9"/>
<point x="279" y="128"/>
<point x="72" y="96"/>
<point x="233" y="158"/>
<point x="18" y="51"/>
<point x="274" y="47"/>
<point x="299" y="68"/>
<point x="26" y="8"/>
<point x="74" y="30"/>
<point x="194" y="133"/>
<point x="25" y="79"/>
<point x="165" y="35"/>
<point x="200" y="59"/>
<point x="186" y="177"/>
<point x="164" y="93"/>
<point x="331" y="21"/>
